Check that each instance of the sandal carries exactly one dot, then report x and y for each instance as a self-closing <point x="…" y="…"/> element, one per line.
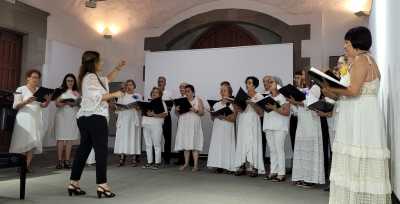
<point x="279" y="179"/>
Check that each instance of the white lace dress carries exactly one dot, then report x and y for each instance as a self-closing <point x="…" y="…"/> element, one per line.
<point x="308" y="156"/>
<point x="360" y="172"/>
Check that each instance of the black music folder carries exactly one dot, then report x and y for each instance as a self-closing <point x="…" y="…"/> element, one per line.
<point x="267" y="100"/>
<point x="41" y="93"/>
<point x="212" y="103"/>
<point x="170" y="104"/>
<point x="184" y="105"/>
<point x="226" y="111"/>
<point x="322" y="106"/>
<point x="57" y="93"/>
<point x="155" y="105"/>
<point x="126" y="106"/>
<point x="291" y="91"/>
<point x="320" y="78"/>
<point x="241" y="99"/>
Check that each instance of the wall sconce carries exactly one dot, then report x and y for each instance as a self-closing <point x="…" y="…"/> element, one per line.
<point x="360" y="8"/>
<point x="107" y="31"/>
<point x="107" y="34"/>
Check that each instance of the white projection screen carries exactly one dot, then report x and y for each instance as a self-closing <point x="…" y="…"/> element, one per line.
<point x="206" y="68"/>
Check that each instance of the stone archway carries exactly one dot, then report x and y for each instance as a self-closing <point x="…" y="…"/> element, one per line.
<point x="288" y="33"/>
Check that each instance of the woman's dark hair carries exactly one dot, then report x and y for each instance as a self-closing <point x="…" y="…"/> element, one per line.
<point x="230" y="91"/>
<point x="33" y="71"/>
<point x="225" y="83"/>
<point x="254" y="79"/>
<point x="89" y="61"/>
<point x="131" y="81"/>
<point x="360" y="38"/>
<point x="191" y="87"/>
<point x="64" y="86"/>
<point x="299" y="72"/>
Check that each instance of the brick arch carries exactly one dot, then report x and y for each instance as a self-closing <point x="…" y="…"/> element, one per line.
<point x="288" y="33"/>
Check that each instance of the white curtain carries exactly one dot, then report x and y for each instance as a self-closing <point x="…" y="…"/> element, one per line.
<point x="385" y="27"/>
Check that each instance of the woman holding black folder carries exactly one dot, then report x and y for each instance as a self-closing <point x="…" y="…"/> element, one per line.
<point x="128" y="134"/>
<point x="360" y="160"/>
<point x="189" y="136"/>
<point x="152" y="123"/>
<point x="221" y="154"/>
<point x="93" y="122"/>
<point x="275" y="126"/>
<point x="308" y="156"/>
<point x="65" y="127"/>
<point x="249" y="142"/>
<point x="27" y="134"/>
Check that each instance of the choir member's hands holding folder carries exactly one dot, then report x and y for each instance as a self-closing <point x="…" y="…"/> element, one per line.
<point x="43" y="94"/>
<point x="241" y="99"/>
<point x="268" y="104"/>
<point x="290" y="91"/>
<point x="153" y="108"/>
<point x="324" y="80"/>
<point x="182" y="105"/>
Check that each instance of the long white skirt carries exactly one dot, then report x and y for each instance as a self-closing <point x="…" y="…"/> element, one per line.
<point x="360" y="169"/>
<point x="222" y="146"/>
<point x="189" y="135"/>
<point x="308" y="156"/>
<point x="27" y="134"/>
<point x="249" y="141"/>
<point x="66" y="127"/>
<point x="128" y="134"/>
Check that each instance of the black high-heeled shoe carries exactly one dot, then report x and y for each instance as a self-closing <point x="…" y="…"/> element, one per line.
<point x="122" y="160"/>
<point x="67" y="164"/>
<point x="74" y="190"/>
<point x="59" y="164"/>
<point x="105" y="192"/>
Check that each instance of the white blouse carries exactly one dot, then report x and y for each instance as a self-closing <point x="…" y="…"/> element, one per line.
<point x="274" y="120"/>
<point x="92" y="93"/>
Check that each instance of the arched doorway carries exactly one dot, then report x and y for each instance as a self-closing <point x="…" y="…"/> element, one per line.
<point x="224" y="35"/>
<point x="287" y="33"/>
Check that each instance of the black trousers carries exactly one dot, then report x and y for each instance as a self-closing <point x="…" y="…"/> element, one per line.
<point x="325" y="144"/>
<point x="292" y="129"/>
<point x="94" y="134"/>
<point x="263" y="139"/>
<point x="167" y="132"/>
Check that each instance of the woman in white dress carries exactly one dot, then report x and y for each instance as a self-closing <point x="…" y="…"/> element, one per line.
<point x="308" y="155"/>
<point x="153" y="131"/>
<point x="128" y="134"/>
<point x="189" y="136"/>
<point x="360" y="163"/>
<point x="66" y="128"/>
<point x="276" y="127"/>
<point x="221" y="154"/>
<point x="27" y="134"/>
<point x="249" y="141"/>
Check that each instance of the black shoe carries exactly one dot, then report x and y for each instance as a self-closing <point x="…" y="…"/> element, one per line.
<point x="74" y="190"/>
<point x="59" y="165"/>
<point x="241" y="171"/>
<point x="156" y="166"/>
<point x="67" y="164"/>
<point x="122" y="160"/>
<point x="102" y="191"/>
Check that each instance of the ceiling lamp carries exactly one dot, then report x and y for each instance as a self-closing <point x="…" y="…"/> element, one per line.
<point x="92" y="3"/>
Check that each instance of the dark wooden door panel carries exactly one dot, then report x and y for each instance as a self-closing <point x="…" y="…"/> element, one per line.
<point x="10" y="69"/>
